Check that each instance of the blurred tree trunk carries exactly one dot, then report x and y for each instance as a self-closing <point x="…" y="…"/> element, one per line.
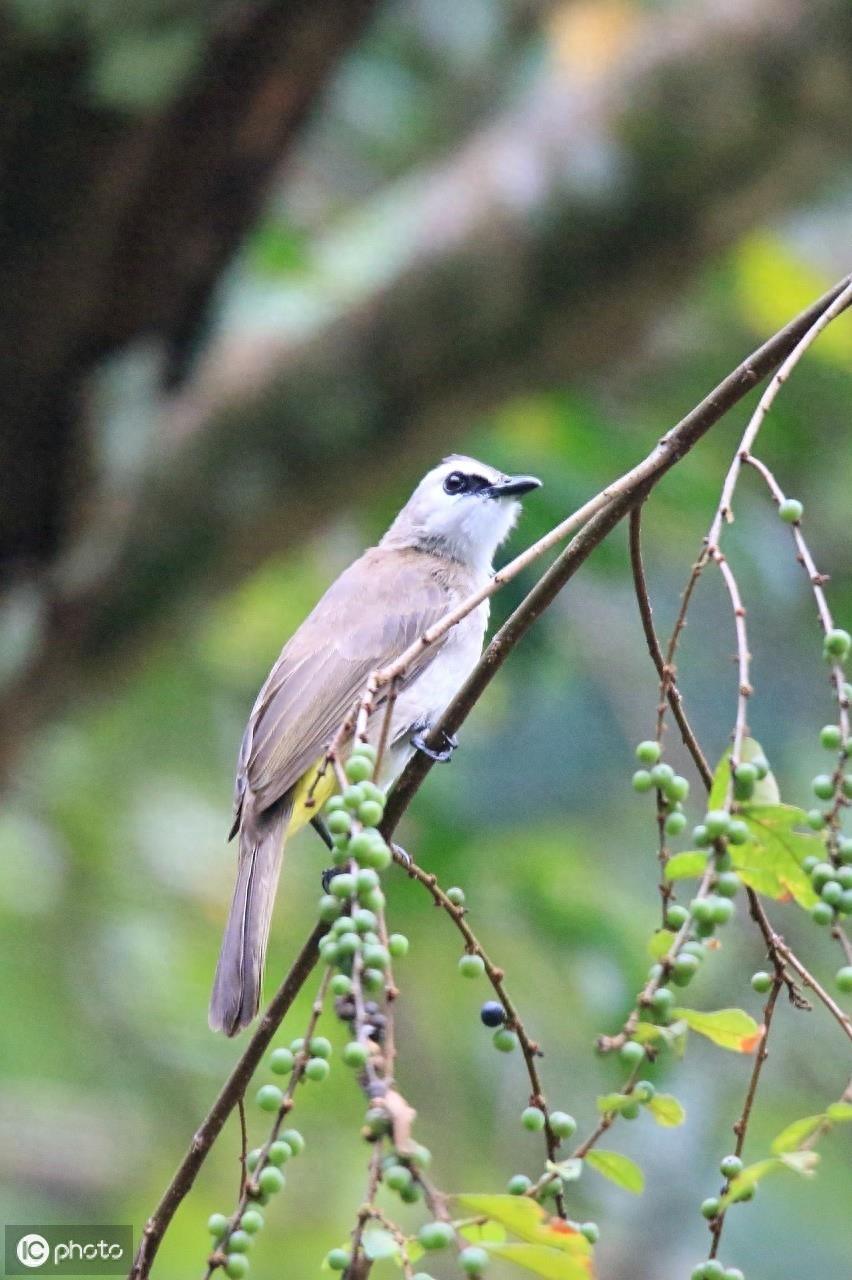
<point x="543" y="249"/>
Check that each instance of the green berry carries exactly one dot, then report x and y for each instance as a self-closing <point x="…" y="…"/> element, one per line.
<point x="370" y="812"/>
<point x="821" y="874"/>
<point x="816" y="821"/>
<point x="375" y="900"/>
<point x="340" y="985"/>
<point x="352" y="797"/>
<point x="837" y="643"/>
<point x="644" y="1091"/>
<point x="317" y="1069"/>
<point x="236" y="1266"/>
<point x="648" y="752"/>
<point x="761" y="982"/>
<point x="700" y="836"/>
<point x="435" y="1235"/>
<point x="844" y="876"/>
<point x="677" y="788"/>
<point x="562" y="1125"/>
<point x="746" y="774"/>
<point x="343" y="886"/>
<point x="355" y="1054"/>
<point x="831" y="892"/>
<point x="366" y="880"/>
<point x="738" y="832"/>
<point x="844" y="849"/>
<point x="373" y="980"/>
<point x="721" y="910"/>
<point x="269" y="1097"/>
<point x="631" y="1053"/>
<point x="630" y="1111"/>
<point x="733" y="1273"/>
<point x="730" y="1166"/>
<point x="716" y="823"/>
<point x="252" y="1221"/>
<point x="662" y="1001"/>
<point x="693" y="948"/>
<point x="675" y="823"/>
<point x="358" y="768"/>
<point x="519" y="1184"/>
<point x="270" y="1180"/>
<point x="294" y="1141"/>
<point x="398" y="1177"/>
<point x="281" y="1061"/>
<point x="727" y="884"/>
<point x="533" y="1118"/>
<point x="591" y="1231"/>
<point x="337" y="1259"/>
<point x="843" y="978"/>
<point x="239" y="1242"/>
<point x="846" y="785"/>
<point x="253" y="1159"/>
<point x="364" y="920"/>
<point x="710" y="1207"/>
<point x="365" y="749"/>
<point x="473" y="1260"/>
<point x="340" y="822"/>
<point x="790" y="510"/>
<point x="398" y="945"/>
<point x="676" y="915"/>
<point x="329" y="908"/>
<point x="279" y="1153"/>
<point x="217" y="1225"/>
<point x="505" y="1040"/>
<point x="822" y="913"/>
<point x="684" y="969"/>
<point x="713" y="1270"/>
<point x="830" y="737"/>
<point x="642" y="781"/>
<point x="823" y="786"/>
<point x="845" y="904"/>
<point x="456" y="896"/>
<point x="471" y="966"/>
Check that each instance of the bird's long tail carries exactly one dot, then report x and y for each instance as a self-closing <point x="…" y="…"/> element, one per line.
<point x="236" y="987"/>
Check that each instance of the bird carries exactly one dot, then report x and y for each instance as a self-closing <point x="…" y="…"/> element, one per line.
<point x="436" y="553"/>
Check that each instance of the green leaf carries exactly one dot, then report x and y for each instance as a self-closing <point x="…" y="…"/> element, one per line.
<point x="487" y="1232"/>
<point x="553" y="1264"/>
<point x="796" y="1133"/>
<point x="614" y="1102"/>
<point x="731" y="1028"/>
<point x="750" y="1176"/>
<point x="620" y="1169"/>
<point x="666" y="1110"/>
<point x="685" y="865"/>
<point x="379" y="1244"/>
<point x="765" y="792"/>
<point x="568" y="1170"/>
<point x="659" y="943"/>
<point x="840" y="1112"/>
<point x="673" y="1036"/>
<point x="770" y="861"/>
<point x="525" y="1218"/>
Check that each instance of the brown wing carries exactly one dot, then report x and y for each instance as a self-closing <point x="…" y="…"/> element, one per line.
<point x="372" y="613"/>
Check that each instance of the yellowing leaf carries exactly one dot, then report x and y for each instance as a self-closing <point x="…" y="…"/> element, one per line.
<point x="840" y="1112"/>
<point x="796" y="1133"/>
<point x="525" y="1218"/>
<point x="620" y="1169"/>
<point x="731" y="1028"/>
<point x="801" y="1162"/>
<point x="666" y="1110"/>
<point x="673" y="1036"/>
<point x="684" y="865"/>
<point x="614" y="1102"/>
<point x="543" y="1261"/>
<point x="487" y="1232"/>
<point x="771" y="859"/>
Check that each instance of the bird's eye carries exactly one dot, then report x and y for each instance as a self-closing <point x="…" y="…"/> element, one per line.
<point x="456" y="482"/>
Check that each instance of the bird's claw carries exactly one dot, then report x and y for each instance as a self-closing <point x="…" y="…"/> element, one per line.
<point x="440" y="757"/>
<point x="328" y="875"/>
<point x="403" y="858"/>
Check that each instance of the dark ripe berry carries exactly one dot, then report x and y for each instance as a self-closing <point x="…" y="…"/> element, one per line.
<point x="676" y="915"/>
<point x="217" y="1225"/>
<point x="492" y="1013"/>
<point x="675" y="823"/>
<point x="435" y="1235"/>
<point x="790" y="510"/>
<point x="505" y="1040"/>
<point x="279" y="1153"/>
<point x="294" y="1141"/>
<point x="761" y="982"/>
<point x="398" y="945"/>
<point x="473" y="1260"/>
<point x="738" y="832"/>
<point x="471" y="966"/>
<point x="822" y="913"/>
<point x="456" y="896"/>
<point x="642" y="781"/>
<point x="252" y="1221"/>
<point x="236" y="1266"/>
<point x="843" y="978"/>
<point x="270" y="1180"/>
<point x="823" y="786"/>
<point x="727" y="884"/>
<point x="730" y="1166"/>
<point x="710" y="1207"/>
<point x="837" y="643"/>
<point x="684" y="969"/>
<point x="830" y="737"/>
<point x="591" y="1231"/>
<point x="631" y="1053"/>
<point x="562" y="1124"/>
<point x="648" y="752"/>
<point x="533" y="1118"/>
<point x="269" y="1097"/>
<point x="519" y="1184"/>
<point x="239" y="1242"/>
<point x="337" y="1259"/>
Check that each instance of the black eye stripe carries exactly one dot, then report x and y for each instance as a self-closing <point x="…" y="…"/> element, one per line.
<point x="458" y="482"/>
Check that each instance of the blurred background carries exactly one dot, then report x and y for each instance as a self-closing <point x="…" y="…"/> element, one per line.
<point x="262" y="264"/>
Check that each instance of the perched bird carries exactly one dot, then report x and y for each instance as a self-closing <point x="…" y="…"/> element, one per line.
<point x="437" y="552"/>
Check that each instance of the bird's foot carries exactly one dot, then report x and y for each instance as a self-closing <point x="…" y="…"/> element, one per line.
<point x="402" y="857"/>
<point x="318" y="824"/>
<point x="328" y="875"/>
<point x="440" y="757"/>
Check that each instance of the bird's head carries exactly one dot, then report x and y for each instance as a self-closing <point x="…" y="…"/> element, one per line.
<point x="461" y="509"/>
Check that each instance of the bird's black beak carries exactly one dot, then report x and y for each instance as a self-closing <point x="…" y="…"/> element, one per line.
<point x="512" y="487"/>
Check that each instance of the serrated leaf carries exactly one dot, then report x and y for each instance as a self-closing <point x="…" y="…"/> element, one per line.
<point x="685" y="865"/>
<point x="802" y="1162"/>
<point x="568" y="1170"/>
<point x="620" y="1169"/>
<point x="379" y="1243"/>
<point x="840" y="1112"/>
<point x="770" y="861"/>
<point x="796" y="1133"/>
<point x="552" y="1264"/>
<point x="666" y="1110"/>
<point x="765" y="791"/>
<point x="614" y="1102"/>
<point x="525" y="1218"/>
<point x="730" y="1028"/>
